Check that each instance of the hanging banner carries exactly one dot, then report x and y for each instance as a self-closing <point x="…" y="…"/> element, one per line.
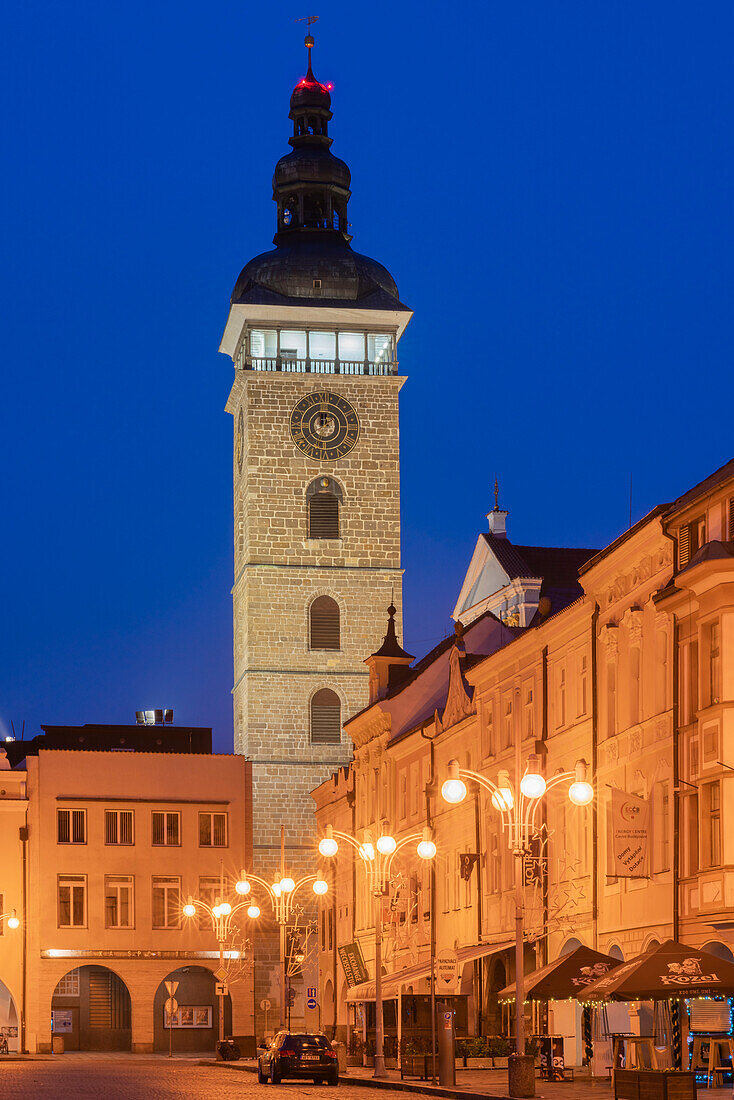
<point x="629" y="836"/>
<point x="353" y="964"/>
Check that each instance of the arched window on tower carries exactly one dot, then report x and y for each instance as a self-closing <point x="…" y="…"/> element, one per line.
<point x="323" y="497"/>
<point x="326" y="718"/>
<point x="324" y="632"/>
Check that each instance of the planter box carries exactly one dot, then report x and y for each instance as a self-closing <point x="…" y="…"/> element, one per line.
<point x="391" y="1063"/>
<point x="476" y="1063"/>
<point x="354" y="1060"/>
<point x="651" y="1084"/>
<point x="500" y="1063"/>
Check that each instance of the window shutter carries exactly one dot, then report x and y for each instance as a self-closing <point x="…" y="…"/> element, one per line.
<point x="325" y="624"/>
<point x="731" y="519"/>
<point x="126" y="826"/>
<point x="110" y="827"/>
<point x="325" y="718"/>
<point x="78" y="832"/>
<point x="63" y="822"/>
<point x="323" y="516"/>
<point x="684" y="545"/>
<point x="220" y="830"/>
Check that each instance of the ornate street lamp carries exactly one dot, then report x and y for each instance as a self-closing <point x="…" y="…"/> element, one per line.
<point x="282" y="895"/>
<point x="221" y="914"/>
<point x="377" y="859"/>
<point x="519" y="809"/>
<point x="12" y="919"/>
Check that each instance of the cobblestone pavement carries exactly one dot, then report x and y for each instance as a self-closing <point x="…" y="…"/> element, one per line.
<point x="111" y="1079"/>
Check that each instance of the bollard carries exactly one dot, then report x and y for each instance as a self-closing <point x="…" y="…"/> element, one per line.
<point x="521" y="1075"/>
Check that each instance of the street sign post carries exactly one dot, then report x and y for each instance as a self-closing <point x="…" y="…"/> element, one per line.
<point x="170" y="1009"/>
<point x="265" y="1005"/>
<point x="311" y="1002"/>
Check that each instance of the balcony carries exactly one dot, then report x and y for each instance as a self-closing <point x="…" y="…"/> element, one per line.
<point x="318" y="366"/>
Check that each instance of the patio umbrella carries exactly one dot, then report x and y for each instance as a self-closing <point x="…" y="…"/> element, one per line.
<point x="567" y="977"/>
<point x="670" y="970"/>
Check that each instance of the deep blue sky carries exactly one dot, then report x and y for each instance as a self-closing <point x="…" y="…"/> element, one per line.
<point x="550" y="184"/>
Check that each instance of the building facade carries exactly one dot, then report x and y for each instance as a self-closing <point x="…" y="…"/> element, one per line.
<point x="312" y="331"/>
<point x="632" y="673"/>
<point x="103" y="849"/>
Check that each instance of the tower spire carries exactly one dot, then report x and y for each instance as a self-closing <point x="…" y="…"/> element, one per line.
<point x="308" y="41"/>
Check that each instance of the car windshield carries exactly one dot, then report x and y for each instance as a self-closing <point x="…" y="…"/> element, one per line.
<point x="306" y="1042"/>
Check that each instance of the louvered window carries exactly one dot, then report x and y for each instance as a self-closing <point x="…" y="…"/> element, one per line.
<point x="212" y="830"/>
<point x="691" y="537"/>
<point x="684" y="546"/>
<point x="326" y="718"/>
<point x="118" y="826"/>
<point x="71" y="826"/>
<point x="325" y="624"/>
<point x="166" y="828"/>
<point x="731" y="520"/>
<point x="323" y="516"/>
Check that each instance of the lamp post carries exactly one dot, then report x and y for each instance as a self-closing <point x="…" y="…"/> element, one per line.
<point x="377" y="860"/>
<point x="282" y="895"/>
<point x="518" y="806"/>
<point x="221" y="915"/>
<point x="12" y="918"/>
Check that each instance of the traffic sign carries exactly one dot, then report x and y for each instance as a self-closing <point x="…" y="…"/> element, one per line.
<point x="171" y="988"/>
<point x="171" y="1006"/>
<point x="311" y="991"/>
<point x="312" y="1003"/>
<point x="265" y="1004"/>
<point x="220" y="989"/>
<point x="447" y="970"/>
<point x="220" y="974"/>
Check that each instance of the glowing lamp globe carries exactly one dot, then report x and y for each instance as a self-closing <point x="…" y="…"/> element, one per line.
<point x="386" y="845"/>
<point x="287" y="885"/>
<point x="225" y="908"/>
<point x="581" y="793"/>
<point x="189" y="910"/>
<point x="426" y="849"/>
<point x="253" y="911"/>
<point x="367" y="851"/>
<point x="320" y="887"/>
<point x="243" y="886"/>
<point x="13" y="922"/>
<point x="453" y="790"/>
<point x="502" y="799"/>
<point x="328" y="846"/>
<point x="532" y="785"/>
<point x="216" y="911"/>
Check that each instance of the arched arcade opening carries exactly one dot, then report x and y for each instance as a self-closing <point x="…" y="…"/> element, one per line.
<point x="91" y="1009"/>
<point x="8" y="1022"/>
<point x="196" y="1019"/>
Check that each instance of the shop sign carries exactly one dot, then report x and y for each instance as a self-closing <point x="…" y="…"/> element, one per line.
<point x="630" y="835"/>
<point x="353" y="964"/>
<point x="447" y="971"/>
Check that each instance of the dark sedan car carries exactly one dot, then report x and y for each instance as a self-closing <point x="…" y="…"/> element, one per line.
<point x="294" y="1054"/>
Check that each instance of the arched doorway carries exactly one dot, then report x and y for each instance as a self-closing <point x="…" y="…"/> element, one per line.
<point x="91" y="1009"/>
<point x="196" y="1023"/>
<point x="8" y="1021"/>
<point x="719" y="950"/>
<point x="496" y="980"/>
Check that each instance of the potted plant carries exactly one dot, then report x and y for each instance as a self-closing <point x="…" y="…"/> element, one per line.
<point x="499" y="1048"/>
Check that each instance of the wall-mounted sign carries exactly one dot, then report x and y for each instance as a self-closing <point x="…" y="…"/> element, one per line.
<point x="447" y="971"/>
<point x="630" y="835"/>
<point x="353" y="964"/>
<point x="62" y="1021"/>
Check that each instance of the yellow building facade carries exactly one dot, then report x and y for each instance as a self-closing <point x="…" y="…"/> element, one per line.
<point x="633" y="674"/>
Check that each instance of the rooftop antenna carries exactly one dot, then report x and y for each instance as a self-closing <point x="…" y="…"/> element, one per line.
<point x="308" y="41"/>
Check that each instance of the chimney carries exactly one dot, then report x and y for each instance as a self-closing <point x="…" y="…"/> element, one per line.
<point x="497" y="520"/>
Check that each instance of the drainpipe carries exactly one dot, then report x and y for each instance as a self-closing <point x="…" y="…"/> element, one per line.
<point x="676" y="782"/>
<point x="23" y="835"/>
<point x="430" y="791"/>
<point x="595" y="774"/>
<point x="478" y="971"/>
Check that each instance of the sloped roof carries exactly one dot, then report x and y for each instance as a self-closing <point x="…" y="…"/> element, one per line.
<point x="716" y="478"/>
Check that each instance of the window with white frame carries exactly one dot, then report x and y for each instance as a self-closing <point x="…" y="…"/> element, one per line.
<point x="711" y="837"/>
<point x="529" y="707"/>
<point x="661" y="826"/>
<point x="68" y="986"/>
<point x="166" y="828"/>
<point x="582" y="685"/>
<point x="507" y="738"/>
<point x="71" y="826"/>
<point x="166" y="902"/>
<point x="403" y="795"/>
<point x="72" y="901"/>
<point x="212" y="830"/>
<point x="118" y="827"/>
<point x="713" y="645"/>
<point x="210" y="888"/>
<point x="611" y="697"/>
<point x="119" y="908"/>
<point x="488" y="747"/>
<point x="561" y="695"/>
<point x="634" y="685"/>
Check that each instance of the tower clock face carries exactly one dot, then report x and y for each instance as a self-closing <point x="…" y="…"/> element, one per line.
<point x="240" y="443"/>
<point x="324" y="425"/>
